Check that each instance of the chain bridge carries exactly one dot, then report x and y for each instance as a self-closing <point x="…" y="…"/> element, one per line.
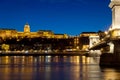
<point x="110" y="44"/>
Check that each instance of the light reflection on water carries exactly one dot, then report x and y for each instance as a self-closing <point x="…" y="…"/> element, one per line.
<point x="54" y="68"/>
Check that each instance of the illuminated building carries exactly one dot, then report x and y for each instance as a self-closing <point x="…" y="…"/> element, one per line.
<point x="87" y="39"/>
<point x="45" y="39"/>
<point x="11" y="33"/>
<point x="27" y="40"/>
<point x="5" y="33"/>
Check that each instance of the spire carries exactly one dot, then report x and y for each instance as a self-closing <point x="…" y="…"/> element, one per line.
<point x="26" y="23"/>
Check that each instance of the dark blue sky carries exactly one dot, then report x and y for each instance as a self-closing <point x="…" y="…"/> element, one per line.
<point x="61" y="16"/>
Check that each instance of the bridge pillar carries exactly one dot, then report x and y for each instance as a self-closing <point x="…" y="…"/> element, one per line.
<point x="111" y="45"/>
<point x="117" y="52"/>
<point x="115" y="6"/>
<point x="116" y="47"/>
<point x="112" y="58"/>
<point x="115" y="29"/>
<point x="107" y="59"/>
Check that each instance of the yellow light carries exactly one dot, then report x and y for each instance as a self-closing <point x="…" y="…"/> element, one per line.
<point x="106" y="32"/>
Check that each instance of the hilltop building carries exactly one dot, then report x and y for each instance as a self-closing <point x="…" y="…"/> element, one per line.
<point x="43" y="39"/>
<point x="11" y="33"/>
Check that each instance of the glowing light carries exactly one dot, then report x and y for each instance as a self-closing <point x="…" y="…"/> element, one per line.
<point x="106" y="32"/>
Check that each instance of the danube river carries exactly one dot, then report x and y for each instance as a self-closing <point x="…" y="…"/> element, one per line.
<point x="55" y="68"/>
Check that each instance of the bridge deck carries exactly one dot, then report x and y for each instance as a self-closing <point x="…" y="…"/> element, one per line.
<point x="98" y="46"/>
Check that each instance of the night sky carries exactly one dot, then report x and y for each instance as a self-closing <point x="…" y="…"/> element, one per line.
<point x="61" y="16"/>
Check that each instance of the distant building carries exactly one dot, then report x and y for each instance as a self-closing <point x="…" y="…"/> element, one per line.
<point x="4" y="33"/>
<point x="11" y="33"/>
<point x="47" y="38"/>
<point x="88" y="39"/>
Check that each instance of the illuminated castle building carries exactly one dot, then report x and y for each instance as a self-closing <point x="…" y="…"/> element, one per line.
<point x="12" y="33"/>
<point x="43" y="39"/>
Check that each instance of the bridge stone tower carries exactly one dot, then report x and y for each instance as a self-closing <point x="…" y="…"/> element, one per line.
<point x="115" y="6"/>
<point x="115" y="29"/>
<point x="114" y="33"/>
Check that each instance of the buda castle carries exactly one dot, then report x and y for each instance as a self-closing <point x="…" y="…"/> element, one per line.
<point x="12" y="33"/>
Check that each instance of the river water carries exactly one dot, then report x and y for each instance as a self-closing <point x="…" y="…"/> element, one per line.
<point x="55" y="68"/>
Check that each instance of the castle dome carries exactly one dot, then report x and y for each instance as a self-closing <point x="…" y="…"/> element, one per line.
<point x="27" y="28"/>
